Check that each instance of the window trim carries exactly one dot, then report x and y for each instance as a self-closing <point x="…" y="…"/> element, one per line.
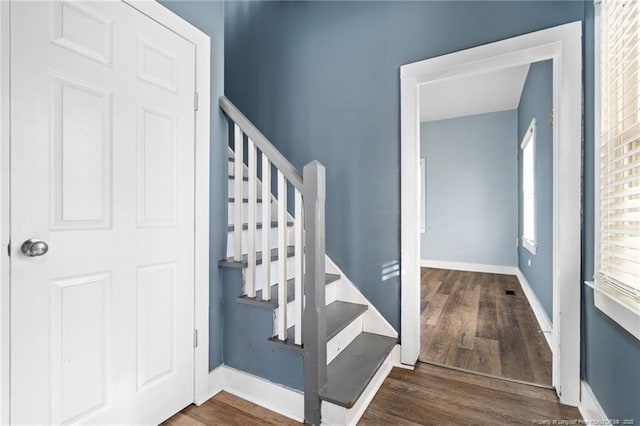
<point x="613" y="305"/>
<point x="530" y="244"/>
<point x="423" y="195"/>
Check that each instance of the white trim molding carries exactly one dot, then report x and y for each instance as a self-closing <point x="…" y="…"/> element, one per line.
<point x="612" y="304"/>
<point x="563" y="45"/>
<point x="272" y="396"/>
<point x="5" y="174"/>
<point x="471" y="267"/>
<point x="545" y="324"/>
<point x="202" y="44"/>
<point x="589" y="407"/>
<point x="216" y="382"/>
<point x="290" y="402"/>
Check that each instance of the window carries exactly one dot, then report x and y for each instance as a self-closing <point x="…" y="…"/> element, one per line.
<point x="617" y="278"/>
<point x="528" y="147"/>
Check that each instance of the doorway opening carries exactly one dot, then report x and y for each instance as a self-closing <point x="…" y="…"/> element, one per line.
<point x="562" y="46"/>
<point x="486" y="249"/>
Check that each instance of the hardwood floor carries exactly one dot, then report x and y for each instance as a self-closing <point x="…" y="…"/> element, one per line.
<point x="428" y="395"/>
<point x="469" y="321"/>
<point x="227" y="409"/>
<point x="432" y="395"/>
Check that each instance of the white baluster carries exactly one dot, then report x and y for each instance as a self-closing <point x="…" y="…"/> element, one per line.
<point x="237" y="211"/>
<point x="298" y="220"/>
<point x="250" y="283"/>
<point x="266" y="225"/>
<point x="282" y="257"/>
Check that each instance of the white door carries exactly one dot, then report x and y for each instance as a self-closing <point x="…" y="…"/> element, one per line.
<point x="102" y="160"/>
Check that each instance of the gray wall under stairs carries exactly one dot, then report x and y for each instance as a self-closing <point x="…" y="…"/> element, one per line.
<point x="246" y="330"/>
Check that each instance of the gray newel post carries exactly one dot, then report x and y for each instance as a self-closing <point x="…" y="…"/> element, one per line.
<point x="314" y="324"/>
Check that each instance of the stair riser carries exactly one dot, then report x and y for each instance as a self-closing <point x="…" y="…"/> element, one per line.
<point x="245" y="212"/>
<point x="260" y="271"/>
<point x="329" y="289"/>
<point x="232" y="171"/>
<point x="342" y="339"/>
<point x="245" y="188"/>
<point x="273" y="239"/>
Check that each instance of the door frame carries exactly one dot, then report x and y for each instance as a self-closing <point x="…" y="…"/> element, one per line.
<point x="563" y="45"/>
<point x="202" y="44"/>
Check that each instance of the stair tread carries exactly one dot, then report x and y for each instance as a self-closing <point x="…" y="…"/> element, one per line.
<point x="232" y="263"/>
<point x="273" y="302"/>
<point x="245" y="226"/>
<point x="244" y="200"/>
<point x="351" y="371"/>
<point x="339" y="315"/>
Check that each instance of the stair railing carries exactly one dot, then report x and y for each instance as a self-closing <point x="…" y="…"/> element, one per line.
<point x="308" y="247"/>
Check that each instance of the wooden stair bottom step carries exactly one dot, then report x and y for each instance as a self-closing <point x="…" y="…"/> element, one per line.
<point x="351" y="371"/>
<point x="339" y="315"/>
<point x="230" y="262"/>
<point x="273" y="302"/>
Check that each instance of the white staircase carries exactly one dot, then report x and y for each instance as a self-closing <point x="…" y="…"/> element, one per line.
<point x="347" y="345"/>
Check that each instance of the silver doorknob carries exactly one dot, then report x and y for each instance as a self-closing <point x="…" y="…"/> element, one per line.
<point x="34" y="248"/>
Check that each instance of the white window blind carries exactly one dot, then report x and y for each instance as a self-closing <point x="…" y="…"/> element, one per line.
<point x="529" y="189"/>
<point x="618" y="260"/>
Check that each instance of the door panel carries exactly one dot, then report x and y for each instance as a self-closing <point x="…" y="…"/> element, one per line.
<point x="102" y="140"/>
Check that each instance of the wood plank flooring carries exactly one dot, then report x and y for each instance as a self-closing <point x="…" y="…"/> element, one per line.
<point x="468" y="321"/>
<point x="428" y="395"/>
<point x="432" y="395"/>
<point x="227" y="409"/>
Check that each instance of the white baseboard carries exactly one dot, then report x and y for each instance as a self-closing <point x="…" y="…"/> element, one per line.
<point x="471" y="267"/>
<point x="589" y="406"/>
<point x="272" y="396"/>
<point x="216" y="382"/>
<point x="290" y="402"/>
<point x="541" y="315"/>
<point x="335" y="415"/>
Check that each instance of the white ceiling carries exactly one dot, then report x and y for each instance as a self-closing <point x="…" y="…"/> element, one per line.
<point x="472" y="94"/>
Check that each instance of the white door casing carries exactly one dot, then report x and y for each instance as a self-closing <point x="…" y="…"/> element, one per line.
<point x="102" y="139"/>
<point x="563" y="45"/>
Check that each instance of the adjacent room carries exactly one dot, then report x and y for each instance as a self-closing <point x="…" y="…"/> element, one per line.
<point x="486" y="157"/>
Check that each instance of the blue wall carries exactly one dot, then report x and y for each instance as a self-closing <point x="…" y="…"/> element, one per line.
<point x="472" y="196"/>
<point x="208" y="17"/>
<point x="537" y="102"/>
<point x="321" y="80"/>
<point x="610" y="355"/>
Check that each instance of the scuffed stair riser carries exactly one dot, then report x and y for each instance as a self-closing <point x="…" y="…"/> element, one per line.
<point x="330" y="297"/>
<point x="343" y="338"/>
